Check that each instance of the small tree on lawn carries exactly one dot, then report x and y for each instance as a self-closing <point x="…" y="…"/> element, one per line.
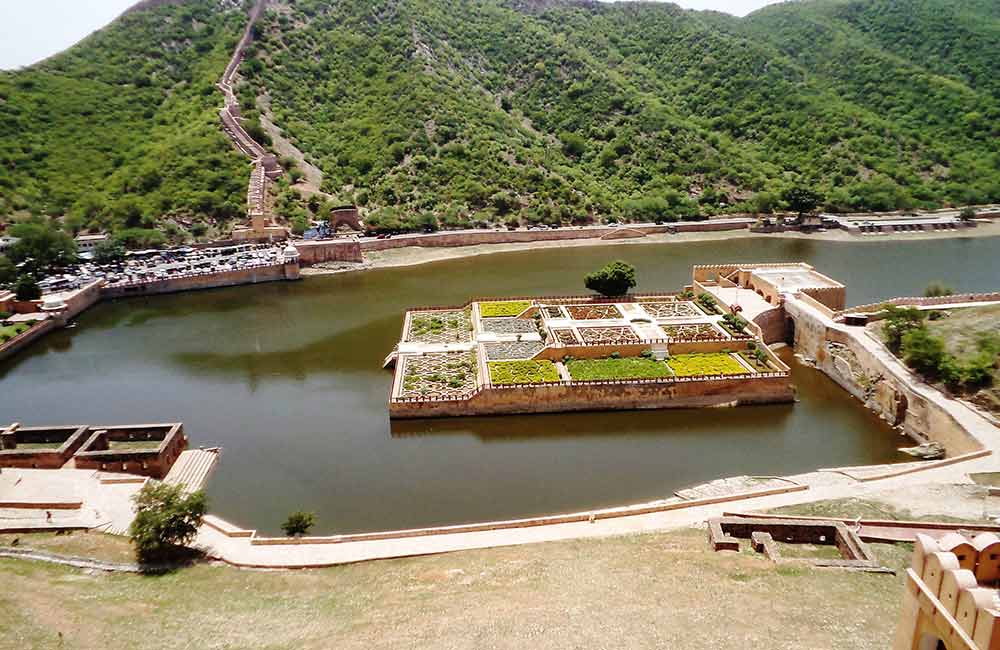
<point x="108" y="251"/>
<point x="298" y="523"/>
<point x="615" y="279"/>
<point x="27" y="289"/>
<point x="165" y="518"/>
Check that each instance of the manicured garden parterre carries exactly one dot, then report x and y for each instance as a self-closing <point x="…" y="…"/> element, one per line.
<point x="621" y="368"/>
<point x="522" y="372"/>
<point x="7" y="332"/>
<point x="502" y="308"/>
<point x="712" y="363"/>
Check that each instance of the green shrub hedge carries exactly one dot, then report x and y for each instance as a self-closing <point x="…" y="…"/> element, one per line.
<point x="502" y="308"/>
<point x="698" y="364"/>
<point x="611" y="368"/>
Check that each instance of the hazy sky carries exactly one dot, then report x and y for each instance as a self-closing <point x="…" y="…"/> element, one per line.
<point x="31" y="30"/>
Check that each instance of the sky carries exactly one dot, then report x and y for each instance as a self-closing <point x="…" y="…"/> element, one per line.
<point x="31" y="30"/>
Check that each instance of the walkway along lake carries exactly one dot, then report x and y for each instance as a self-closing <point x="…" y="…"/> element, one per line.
<point x="286" y="377"/>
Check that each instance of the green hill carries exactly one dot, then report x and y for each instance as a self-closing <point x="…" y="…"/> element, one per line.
<point x="436" y="112"/>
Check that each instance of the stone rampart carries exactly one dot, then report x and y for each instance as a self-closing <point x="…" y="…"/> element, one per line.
<point x="885" y="389"/>
<point x="606" y="395"/>
<point x="253" y="275"/>
<point x="24" y="339"/>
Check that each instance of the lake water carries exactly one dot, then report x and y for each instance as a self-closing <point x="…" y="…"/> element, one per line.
<point x="286" y="378"/>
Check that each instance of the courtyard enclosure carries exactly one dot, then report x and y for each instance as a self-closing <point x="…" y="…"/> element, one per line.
<point x="571" y="353"/>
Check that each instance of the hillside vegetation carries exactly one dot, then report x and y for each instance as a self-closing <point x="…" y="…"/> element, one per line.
<point x="434" y="113"/>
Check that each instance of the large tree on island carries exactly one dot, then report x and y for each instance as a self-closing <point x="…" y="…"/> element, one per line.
<point x="801" y="199"/>
<point x="615" y="279"/>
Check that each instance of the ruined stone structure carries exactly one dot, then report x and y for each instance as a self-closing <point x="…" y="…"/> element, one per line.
<point x="142" y="449"/>
<point x="951" y="599"/>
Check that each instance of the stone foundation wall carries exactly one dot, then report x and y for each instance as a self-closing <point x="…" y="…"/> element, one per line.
<point x="207" y="281"/>
<point x="772" y="325"/>
<point x="25" y="339"/>
<point x="838" y="354"/>
<point x="314" y="252"/>
<point x="557" y="398"/>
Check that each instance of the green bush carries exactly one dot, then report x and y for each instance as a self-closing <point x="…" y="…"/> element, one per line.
<point x="166" y="517"/>
<point x="298" y="523"/>
<point x="615" y="279"/>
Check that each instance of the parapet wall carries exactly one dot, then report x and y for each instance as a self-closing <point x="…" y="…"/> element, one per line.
<point x="592" y="396"/>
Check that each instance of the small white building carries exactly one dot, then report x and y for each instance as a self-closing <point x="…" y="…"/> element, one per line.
<point x="87" y="243"/>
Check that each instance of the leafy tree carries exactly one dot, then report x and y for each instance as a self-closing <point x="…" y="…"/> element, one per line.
<point x="8" y="272"/>
<point x="922" y="351"/>
<point x="615" y="279"/>
<point x="27" y="289"/>
<point x="937" y="289"/>
<point x="899" y="321"/>
<point x="801" y="199"/>
<point x="42" y="245"/>
<point x="166" y="517"/>
<point x="298" y="523"/>
<point x="967" y="214"/>
<point x="108" y="251"/>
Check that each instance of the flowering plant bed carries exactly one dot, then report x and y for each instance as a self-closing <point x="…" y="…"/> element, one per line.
<point x="691" y="331"/>
<point x="698" y="364"/>
<point x="673" y="309"/>
<point x="523" y="372"/>
<point x="608" y="335"/>
<point x="442" y="374"/>
<point x="623" y="368"/>
<point x="502" y="308"/>
<point x="565" y="336"/>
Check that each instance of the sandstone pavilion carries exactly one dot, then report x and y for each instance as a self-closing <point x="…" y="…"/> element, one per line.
<point x="572" y="353"/>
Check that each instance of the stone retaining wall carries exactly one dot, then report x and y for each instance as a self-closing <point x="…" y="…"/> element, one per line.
<point x="582" y="396"/>
<point x="24" y="339"/>
<point x="334" y="250"/>
<point x="207" y="281"/>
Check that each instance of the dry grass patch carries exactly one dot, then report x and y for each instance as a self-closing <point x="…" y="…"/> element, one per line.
<point x="645" y="591"/>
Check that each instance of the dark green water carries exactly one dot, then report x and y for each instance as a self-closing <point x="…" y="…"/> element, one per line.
<point x="286" y="377"/>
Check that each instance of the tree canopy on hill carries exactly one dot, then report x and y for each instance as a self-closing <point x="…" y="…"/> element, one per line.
<point x="436" y="115"/>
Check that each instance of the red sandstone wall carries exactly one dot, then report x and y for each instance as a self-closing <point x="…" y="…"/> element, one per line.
<point x="772" y="325"/>
<point x="589" y="397"/>
<point x="329" y="251"/>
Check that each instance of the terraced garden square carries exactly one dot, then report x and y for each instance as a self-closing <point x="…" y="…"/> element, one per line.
<point x="506" y="350"/>
<point x="620" y="368"/>
<point x="608" y="335"/>
<point x="593" y="312"/>
<point x="447" y="326"/>
<point x="503" y="308"/>
<point x="689" y="331"/>
<point x="522" y="372"/>
<point x="706" y="364"/>
<point x="673" y="309"/>
<point x="565" y="336"/>
<point x="440" y="374"/>
<point x="509" y="326"/>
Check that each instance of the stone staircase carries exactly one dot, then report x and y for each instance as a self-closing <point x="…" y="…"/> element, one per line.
<point x="193" y="468"/>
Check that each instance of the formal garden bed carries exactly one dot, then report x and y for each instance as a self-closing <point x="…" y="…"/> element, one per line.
<point x="522" y="372"/>
<point x="691" y="331"/>
<point x="617" y="368"/>
<point x="503" y="308"/>
<point x="449" y="326"/>
<point x="756" y="357"/>
<point x="593" y="312"/>
<point x="553" y="311"/>
<point x="711" y="363"/>
<point x="509" y="326"/>
<point x="442" y="374"/>
<point x="673" y="309"/>
<point x="507" y="350"/>
<point x="608" y="335"/>
<point x="565" y="336"/>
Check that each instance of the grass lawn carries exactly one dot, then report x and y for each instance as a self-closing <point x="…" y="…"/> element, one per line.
<point x="502" y="308"/>
<point x="522" y="372"/>
<point x="624" y="368"/>
<point x="133" y="445"/>
<point x="110" y="548"/>
<point x="664" y="590"/>
<point x="8" y="332"/>
<point x="962" y="330"/>
<point x="712" y="363"/>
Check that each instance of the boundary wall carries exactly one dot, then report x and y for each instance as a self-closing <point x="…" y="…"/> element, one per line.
<point x="254" y="275"/>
